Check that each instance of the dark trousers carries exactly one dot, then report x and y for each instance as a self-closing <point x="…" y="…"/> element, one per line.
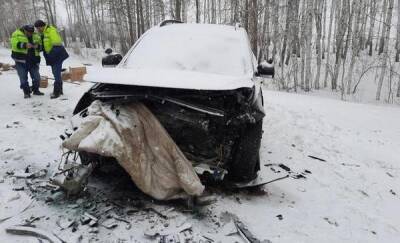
<point x="23" y="69"/>
<point x="58" y="83"/>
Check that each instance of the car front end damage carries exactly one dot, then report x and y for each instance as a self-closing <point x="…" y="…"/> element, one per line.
<point x="207" y="126"/>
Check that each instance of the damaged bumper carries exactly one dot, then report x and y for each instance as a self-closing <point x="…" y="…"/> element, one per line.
<point x="211" y="128"/>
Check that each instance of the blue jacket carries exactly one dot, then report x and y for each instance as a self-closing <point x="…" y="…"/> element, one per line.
<point x="58" y="54"/>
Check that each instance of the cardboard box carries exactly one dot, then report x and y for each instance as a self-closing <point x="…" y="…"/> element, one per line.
<point x="6" y="67"/>
<point x="44" y="82"/>
<point x="65" y="76"/>
<point x="77" y="73"/>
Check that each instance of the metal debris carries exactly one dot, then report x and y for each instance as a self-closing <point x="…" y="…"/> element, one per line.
<point x="94" y="230"/>
<point x="206" y="200"/>
<point x="31" y="220"/>
<point x="30" y="231"/>
<point x="30" y="175"/>
<point x="316" y="158"/>
<point x="241" y="228"/>
<point x="151" y="209"/>
<point x="64" y="223"/>
<point x="152" y="233"/>
<point x="73" y="179"/>
<point x="87" y="218"/>
<point x="110" y="223"/>
<point x="128" y="224"/>
<point x="245" y="233"/>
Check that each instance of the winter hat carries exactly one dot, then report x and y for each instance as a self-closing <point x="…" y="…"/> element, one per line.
<point x="39" y="23"/>
<point x="28" y="28"/>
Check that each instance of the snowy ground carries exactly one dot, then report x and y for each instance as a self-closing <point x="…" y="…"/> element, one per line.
<point x="353" y="196"/>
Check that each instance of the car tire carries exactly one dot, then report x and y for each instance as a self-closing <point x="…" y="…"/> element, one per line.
<point x="246" y="160"/>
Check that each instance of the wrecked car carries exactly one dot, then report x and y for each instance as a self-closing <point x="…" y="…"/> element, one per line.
<point x="202" y="82"/>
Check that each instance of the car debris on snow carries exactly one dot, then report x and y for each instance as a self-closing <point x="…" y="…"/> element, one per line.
<point x="31" y="220"/>
<point x="245" y="233"/>
<point x="316" y="158"/>
<point x="331" y="222"/>
<point x="72" y="178"/>
<point x="30" y="175"/>
<point x="89" y="219"/>
<point x="128" y="224"/>
<point x="31" y="231"/>
<point x="65" y="223"/>
<point x="233" y="225"/>
<point x="183" y="233"/>
<point x="21" y="188"/>
<point x="109" y="223"/>
<point x="163" y="231"/>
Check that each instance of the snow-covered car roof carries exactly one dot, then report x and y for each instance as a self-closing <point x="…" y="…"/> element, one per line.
<point x="187" y="56"/>
<point x="208" y="48"/>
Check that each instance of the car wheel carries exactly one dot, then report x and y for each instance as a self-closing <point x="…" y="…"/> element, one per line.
<point x="246" y="161"/>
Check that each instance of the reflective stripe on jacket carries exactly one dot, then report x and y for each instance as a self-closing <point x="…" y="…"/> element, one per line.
<point x="18" y="44"/>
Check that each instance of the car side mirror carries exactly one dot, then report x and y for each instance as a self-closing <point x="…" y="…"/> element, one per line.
<point x="111" y="60"/>
<point x="266" y="69"/>
<point x="108" y="51"/>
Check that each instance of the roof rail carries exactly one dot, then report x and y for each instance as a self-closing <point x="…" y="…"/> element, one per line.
<point x="170" y="21"/>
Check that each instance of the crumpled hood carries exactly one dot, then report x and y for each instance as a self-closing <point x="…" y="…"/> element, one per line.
<point x="168" y="78"/>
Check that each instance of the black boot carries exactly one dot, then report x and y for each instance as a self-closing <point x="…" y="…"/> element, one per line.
<point x="27" y="93"/>
<point x="37" y="92"/>
<point x="55" y="95"/>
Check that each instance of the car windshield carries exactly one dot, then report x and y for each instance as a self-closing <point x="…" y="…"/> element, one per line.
<point x="192" y="47"/>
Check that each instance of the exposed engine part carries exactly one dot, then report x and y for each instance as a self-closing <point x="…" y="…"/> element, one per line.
<point x="206" y="125"/>
<point x="72" y="176"/>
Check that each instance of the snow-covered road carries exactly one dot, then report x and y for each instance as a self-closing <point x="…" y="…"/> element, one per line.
<point x="352" y="196"/>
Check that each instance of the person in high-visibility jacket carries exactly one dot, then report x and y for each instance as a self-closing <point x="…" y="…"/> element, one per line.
<point x="54" y="53"/>
<point x="25" y="50"/>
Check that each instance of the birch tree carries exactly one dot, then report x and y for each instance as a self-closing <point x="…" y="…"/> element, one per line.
<point x="341" y="17"/>
<point x="308" y="37"/>
<point x="372" y="14"/>
<point x="383" y="29"/>
<point x="397" y="58"/>
<point x="355" y="42"/>
<point x="384" y="55"/>
<point x="331" y="18"/>
<point x="318" y="26"/>
<point x="253" y="25"/>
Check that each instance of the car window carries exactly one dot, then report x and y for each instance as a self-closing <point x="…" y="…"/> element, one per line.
<point x="203" y="48"/>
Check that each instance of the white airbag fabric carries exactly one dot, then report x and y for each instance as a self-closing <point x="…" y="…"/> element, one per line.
<point x="134" y="136"/>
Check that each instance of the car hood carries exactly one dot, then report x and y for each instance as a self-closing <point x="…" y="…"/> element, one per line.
<point x="166" y="78"/>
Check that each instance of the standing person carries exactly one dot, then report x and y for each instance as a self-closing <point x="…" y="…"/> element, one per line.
<point x="54" y="53"/>
<point x="25" y="46"/>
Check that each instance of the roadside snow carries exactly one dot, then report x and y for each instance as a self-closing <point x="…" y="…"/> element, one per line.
<point x="354" y="196"/>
